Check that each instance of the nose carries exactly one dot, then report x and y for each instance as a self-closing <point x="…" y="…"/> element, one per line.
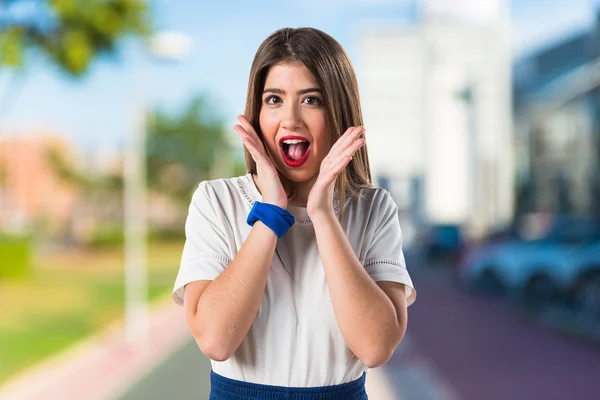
<point x="290" y="118"/>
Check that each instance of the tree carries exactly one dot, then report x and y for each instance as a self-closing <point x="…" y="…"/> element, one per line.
<point x="184" y="149"/>
<point x="71" y="33"/>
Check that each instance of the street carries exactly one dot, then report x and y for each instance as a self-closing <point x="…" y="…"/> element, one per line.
<point x="458" y="346"/>
<point x="485" y="348"/>
<point x="183" y="375"/>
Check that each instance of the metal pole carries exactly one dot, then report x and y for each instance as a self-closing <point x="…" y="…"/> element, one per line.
<point x="474" y="166"/>
<point x="136" y="312"/>
<point x="168" y="45"/>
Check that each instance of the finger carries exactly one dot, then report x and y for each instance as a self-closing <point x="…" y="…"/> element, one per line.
<point x="247" y="126"/>
<point x="336" y="169"/>
<point x="353" y="148"/>
<point x="245" y="136"/>
<point x="240" y="131"/>
<point x="256" y="154"/>
<point x="342" y="139"/>
<point x="333" y="163"/>
<point x="349" y="136"/>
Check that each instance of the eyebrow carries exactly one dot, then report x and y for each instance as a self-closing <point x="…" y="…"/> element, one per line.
<point x="303" y="91"/>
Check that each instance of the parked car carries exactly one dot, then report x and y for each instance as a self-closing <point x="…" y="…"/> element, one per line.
<point x="445" y="241"/>
<point x="564" y="265"/>
<point x="470" y="270"/>
<point x="584" y="294"/>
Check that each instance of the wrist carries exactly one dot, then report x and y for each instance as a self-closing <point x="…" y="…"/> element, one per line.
<point x="322" y="217"/>
<point x="275" y="217"/>
<point x="274" y="203"/>
<point x="277" y="203"/>
<point x="264" y="228"/>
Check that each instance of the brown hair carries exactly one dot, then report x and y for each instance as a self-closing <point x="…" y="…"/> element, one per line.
<point x="326" y="59"/>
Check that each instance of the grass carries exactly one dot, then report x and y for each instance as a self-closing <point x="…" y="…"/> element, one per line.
<point x="68" y="297"/>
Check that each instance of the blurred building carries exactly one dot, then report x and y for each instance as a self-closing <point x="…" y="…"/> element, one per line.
<point x="557" y="121"/>
<point x="437" y="106"/>
<point x="46" y="187"/>
<point x="31" y="188"/>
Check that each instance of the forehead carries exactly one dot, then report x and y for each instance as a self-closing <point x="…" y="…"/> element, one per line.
<point x="290" y="74"/>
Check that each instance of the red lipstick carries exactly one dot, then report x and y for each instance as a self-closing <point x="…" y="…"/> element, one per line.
<point x="288" y="161"/>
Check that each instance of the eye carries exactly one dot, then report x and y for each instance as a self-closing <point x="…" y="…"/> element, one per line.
<point x="272" y="99"/>
<point x="313" y="100"/>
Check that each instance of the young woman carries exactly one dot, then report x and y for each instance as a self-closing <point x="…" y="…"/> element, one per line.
<point x="293" y="277"/>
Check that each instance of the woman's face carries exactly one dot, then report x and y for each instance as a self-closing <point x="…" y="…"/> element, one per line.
<point x="293" y="121"/>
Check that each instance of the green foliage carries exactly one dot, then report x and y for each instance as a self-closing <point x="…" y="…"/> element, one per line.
<point x="183" y="149"/>
<point x="239" y="168"/>
<point x="64" y="168"/>
<point x="110" y="235"/>
<point x="70" y="32"/>
<point x="15" y="256"/>
<point x="11" y="45"/>
<point x="166" y="235"/>
<point x="91" y="185"/>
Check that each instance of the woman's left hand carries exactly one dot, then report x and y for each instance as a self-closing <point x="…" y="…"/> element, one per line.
<point x="320" y="198"/>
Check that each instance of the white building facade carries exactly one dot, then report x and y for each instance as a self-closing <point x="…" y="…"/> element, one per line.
<point x="437" y="107"/>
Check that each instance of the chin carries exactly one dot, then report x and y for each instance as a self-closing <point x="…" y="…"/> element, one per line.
<point x="299" y="175"/>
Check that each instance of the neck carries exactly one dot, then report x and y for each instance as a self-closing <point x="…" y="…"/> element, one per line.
<point x="302" y="189"/>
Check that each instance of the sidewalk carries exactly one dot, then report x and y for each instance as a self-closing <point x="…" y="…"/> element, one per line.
<point x="168" y="362"/>
<point x="103" y="366"/>
<point x="413" y="376"/>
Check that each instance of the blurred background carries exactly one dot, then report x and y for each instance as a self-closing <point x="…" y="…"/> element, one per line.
<point x="483" y="121"/>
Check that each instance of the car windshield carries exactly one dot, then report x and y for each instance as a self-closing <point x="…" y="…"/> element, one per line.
<point x="572" y="230"/>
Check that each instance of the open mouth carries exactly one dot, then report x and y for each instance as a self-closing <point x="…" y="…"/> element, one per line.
<point x="295" y="150"/>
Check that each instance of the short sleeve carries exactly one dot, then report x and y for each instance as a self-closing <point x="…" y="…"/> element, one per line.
<point x="384" y="260"/>
<point x="205" y="252"/>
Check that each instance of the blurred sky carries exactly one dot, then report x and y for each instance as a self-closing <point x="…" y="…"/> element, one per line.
<point x="95" y="112"/>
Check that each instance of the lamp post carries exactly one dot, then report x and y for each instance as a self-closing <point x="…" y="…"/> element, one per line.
<point x="167" y="45"/>
<point x="467" y="95"/>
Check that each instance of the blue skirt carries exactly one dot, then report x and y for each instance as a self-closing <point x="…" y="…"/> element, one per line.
<point x="222" y="388"/>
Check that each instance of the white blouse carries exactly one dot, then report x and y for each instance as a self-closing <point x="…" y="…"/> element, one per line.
<point x="294" y="340"/>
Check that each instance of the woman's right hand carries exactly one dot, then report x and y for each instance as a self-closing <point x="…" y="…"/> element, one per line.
<point x="270" y="185"/>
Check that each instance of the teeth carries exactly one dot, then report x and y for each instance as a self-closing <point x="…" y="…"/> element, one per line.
<point x="293" y="141"/>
